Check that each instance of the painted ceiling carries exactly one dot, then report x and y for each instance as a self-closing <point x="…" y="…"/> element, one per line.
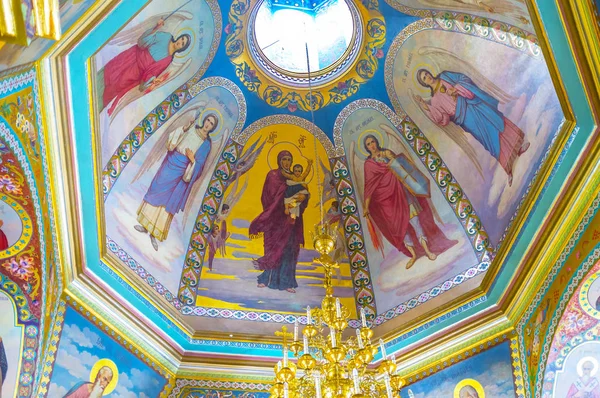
<point x="426" y="129"/>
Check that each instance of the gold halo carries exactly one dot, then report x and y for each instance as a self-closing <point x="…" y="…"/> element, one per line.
<point x="215" y="134"/>
<point x="360" y="145"/>
<point x="469" y="382"/>
<point x="297" y="157"/>
<point x="109" y="364"/>
<point x="587" y="359"/>
<point x="417" y="85"/>
<point x="192" y="41"/>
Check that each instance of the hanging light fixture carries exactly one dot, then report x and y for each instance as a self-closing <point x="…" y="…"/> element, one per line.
<point x="332" y="366"/>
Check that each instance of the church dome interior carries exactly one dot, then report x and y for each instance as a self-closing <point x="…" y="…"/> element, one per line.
<point x="299" y="199"/>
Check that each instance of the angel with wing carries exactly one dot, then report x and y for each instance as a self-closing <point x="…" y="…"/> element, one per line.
<point x="189" y="148"/>
<point x="507" y="8"/>
<point x="147" y="64"/>
<point x="397" y="200"/>
<point x="217" y="238"/>
<point x="461" y="104"/>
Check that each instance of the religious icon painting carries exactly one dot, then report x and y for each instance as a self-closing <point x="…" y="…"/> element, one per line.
<point x="512" y="11"/>
<point x="489" y="109"/>
<point x="415" y="240"/>
<point x="589" y="295"/>
<point x="91" y="364"/>
<point x="15" y="227"/>
<point x="488" y="374"/>
<point x="147" y="60"/>
<point x="577" y="376"/>
<point x="260" y="254"/>
<point x="152" y="208"/>
<point x="10" y="346"/>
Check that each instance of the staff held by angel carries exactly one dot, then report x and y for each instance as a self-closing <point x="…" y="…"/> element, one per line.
<point x="189" y="149"/>
<point x="397" y="201"/>
<point x="147" y="64"/>
<point x="458" y="104"/>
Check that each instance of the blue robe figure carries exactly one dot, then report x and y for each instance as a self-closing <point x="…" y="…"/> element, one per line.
<point x="187" y="151"/>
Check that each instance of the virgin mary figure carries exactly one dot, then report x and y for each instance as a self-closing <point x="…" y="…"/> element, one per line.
<point x="403" y="216"/>
<point x="455" y="98"/>
<point x="282" y="239"/>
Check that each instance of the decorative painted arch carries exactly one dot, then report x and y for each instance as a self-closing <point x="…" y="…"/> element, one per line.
<point x="219" y="183"/>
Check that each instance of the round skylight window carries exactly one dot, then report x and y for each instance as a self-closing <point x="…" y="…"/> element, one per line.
<point x="286" y="31"/>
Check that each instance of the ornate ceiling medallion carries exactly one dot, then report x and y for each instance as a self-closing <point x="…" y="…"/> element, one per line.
<point x="266" y="44"/>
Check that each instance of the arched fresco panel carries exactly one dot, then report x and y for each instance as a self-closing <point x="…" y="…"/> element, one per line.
<point x="237" y="246"/>
<point x="155" y="53"/>
<point x="513" y="12"/>
<point x="489" y="108"/>
<point x="416" y="239"/>
<point x="572" y="368"/>
<point x="151" y="208"/>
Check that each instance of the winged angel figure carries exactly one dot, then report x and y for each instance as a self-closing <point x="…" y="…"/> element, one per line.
<point x="507" y="8"/>
<point x="189" y="149"/>
<point x="397" y="199"/>
<point x="217" y="238"/>
<point x="146" y="65"/>
<point x="468" y="103"/>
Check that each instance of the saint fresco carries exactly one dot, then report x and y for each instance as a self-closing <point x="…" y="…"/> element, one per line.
<point x="414" y="239"/>
<point x="579" y="376"/>
<point x="152" y="207"/>
<point x="154" y="54"/>
<point x="89" y="364"/>
<point x="488" y="374"/>
<point x="11" y="226"/>
<point x="512" y="11"/>
<point x="262" y="257"/>
<point x="489" y="110"/>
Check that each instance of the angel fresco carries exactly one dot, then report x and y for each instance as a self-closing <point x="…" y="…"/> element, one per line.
<point x="189" y="147"/>
<point x="460" y="104"/>
<point x="218" y="235"/>
<point x="147" y="64"/>
<point x="502" y="7"/>
<point x="396" y="202"/>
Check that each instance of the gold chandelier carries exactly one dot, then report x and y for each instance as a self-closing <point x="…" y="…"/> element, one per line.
<point x="331" y="366"/>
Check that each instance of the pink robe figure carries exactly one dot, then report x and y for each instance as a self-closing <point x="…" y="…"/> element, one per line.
<point x="82" y="391"/>
<point x="579" y="389"/>
<point x="442" y="110"/>
<point x="135" y="67"/>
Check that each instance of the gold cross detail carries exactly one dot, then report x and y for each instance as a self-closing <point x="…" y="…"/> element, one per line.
<point x="284" y="334"/>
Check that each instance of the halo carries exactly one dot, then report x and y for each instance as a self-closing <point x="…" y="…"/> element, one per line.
<point x="297" y="157"/>
<point x="192" y="34"/>
<point x="360" y="145"/>
<point x="584" y="360"/>
<point x="469" y="382"/>
<point x="430" y="68"/>
<point x="109" y="364"/>
<point x="215" y="134"/>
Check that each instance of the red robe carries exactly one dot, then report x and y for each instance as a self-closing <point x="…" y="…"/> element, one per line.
<point x="128" y="70"/>
<point x="389" y="210"/>
<point x="273" y="222"/>
<point x="3" y="241"/>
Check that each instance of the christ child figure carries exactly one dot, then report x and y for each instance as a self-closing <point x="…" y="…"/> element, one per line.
<point x="297" y="189"/>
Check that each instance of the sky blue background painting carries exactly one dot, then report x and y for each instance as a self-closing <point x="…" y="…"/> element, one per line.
<point x="491" y="368"/>
<point x="81" y="345"/>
